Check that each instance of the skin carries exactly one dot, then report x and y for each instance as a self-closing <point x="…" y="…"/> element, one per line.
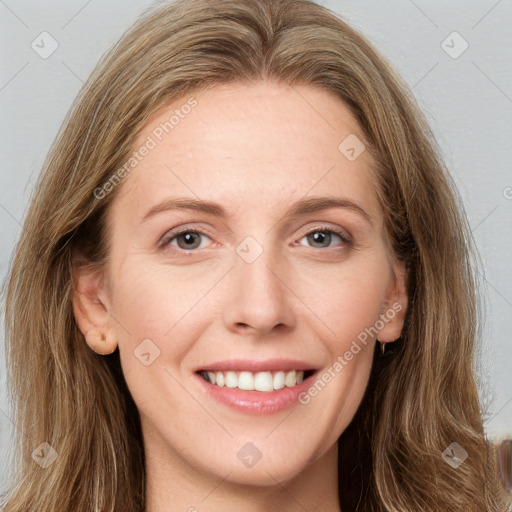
<point x="255" y="150"/>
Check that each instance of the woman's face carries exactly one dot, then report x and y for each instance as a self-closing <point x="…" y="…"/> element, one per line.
<point x="248" y="242"/>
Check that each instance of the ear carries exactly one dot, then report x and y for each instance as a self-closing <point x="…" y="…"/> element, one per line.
<point x="90" y="306"/>
<point x="394" y="307"/>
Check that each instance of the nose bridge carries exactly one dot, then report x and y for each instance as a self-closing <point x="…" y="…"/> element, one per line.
<point x="259" y="298"/>
<point x="258" y="267"/>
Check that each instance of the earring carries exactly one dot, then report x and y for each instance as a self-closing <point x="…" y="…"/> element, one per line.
<point x="99" y="342"/>
<point x="382" y="347"/>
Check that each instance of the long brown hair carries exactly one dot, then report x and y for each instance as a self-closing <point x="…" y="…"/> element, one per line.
<point x="422" y="396"/>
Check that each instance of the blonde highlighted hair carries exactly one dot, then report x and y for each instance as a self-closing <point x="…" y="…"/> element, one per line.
<point x="422" y="396"/>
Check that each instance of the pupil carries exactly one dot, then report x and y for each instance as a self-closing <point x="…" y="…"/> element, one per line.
<point x="189" y="240"/>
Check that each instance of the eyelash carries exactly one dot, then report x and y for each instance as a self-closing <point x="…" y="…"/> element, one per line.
<point x="323" y="229"/>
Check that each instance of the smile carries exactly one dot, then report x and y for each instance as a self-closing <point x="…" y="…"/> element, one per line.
<point x="256" y="387"/>
<point x="265" y="381"/>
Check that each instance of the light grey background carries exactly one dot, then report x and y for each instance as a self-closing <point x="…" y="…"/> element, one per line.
<point x="467" y="100"/>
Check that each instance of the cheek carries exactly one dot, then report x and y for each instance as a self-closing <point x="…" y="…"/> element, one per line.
<point x="163" y="305"/>
<point x="348" y="302"/>
<point x="158" y="311"/>
<point x="154" y="298"/>
<point x="347" y="298"/>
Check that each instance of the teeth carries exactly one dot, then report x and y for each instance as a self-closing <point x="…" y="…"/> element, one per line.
<point x="265" y="382"/>
<point x="246" y="381"/>
<point x="291" y="379"/>
<point x="231" y="380"/>
<point x="279" y="380"/>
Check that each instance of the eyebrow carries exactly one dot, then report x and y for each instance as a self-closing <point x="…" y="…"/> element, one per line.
<point x="304" y="206"/>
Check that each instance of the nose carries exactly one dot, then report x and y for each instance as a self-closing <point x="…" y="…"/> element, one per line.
<point x="259" y="298"/>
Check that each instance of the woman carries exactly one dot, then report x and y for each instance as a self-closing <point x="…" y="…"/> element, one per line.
<point x="243" y="201"/>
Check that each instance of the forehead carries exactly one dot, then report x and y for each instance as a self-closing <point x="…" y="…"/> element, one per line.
<point x="251" y="146"/>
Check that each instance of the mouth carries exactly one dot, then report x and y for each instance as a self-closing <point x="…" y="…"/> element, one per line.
<point x="256" y="387"/>
<point x="263" y="381"/>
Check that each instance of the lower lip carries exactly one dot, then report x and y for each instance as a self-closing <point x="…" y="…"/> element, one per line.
<point x="256" y="402"/>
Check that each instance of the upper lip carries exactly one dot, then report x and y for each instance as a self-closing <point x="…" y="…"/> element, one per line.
<point x="252" y="365"/>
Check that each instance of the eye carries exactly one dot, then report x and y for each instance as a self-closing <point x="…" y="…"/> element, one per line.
<point x="187" y="240"/>
<point x="324" y="239"/>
